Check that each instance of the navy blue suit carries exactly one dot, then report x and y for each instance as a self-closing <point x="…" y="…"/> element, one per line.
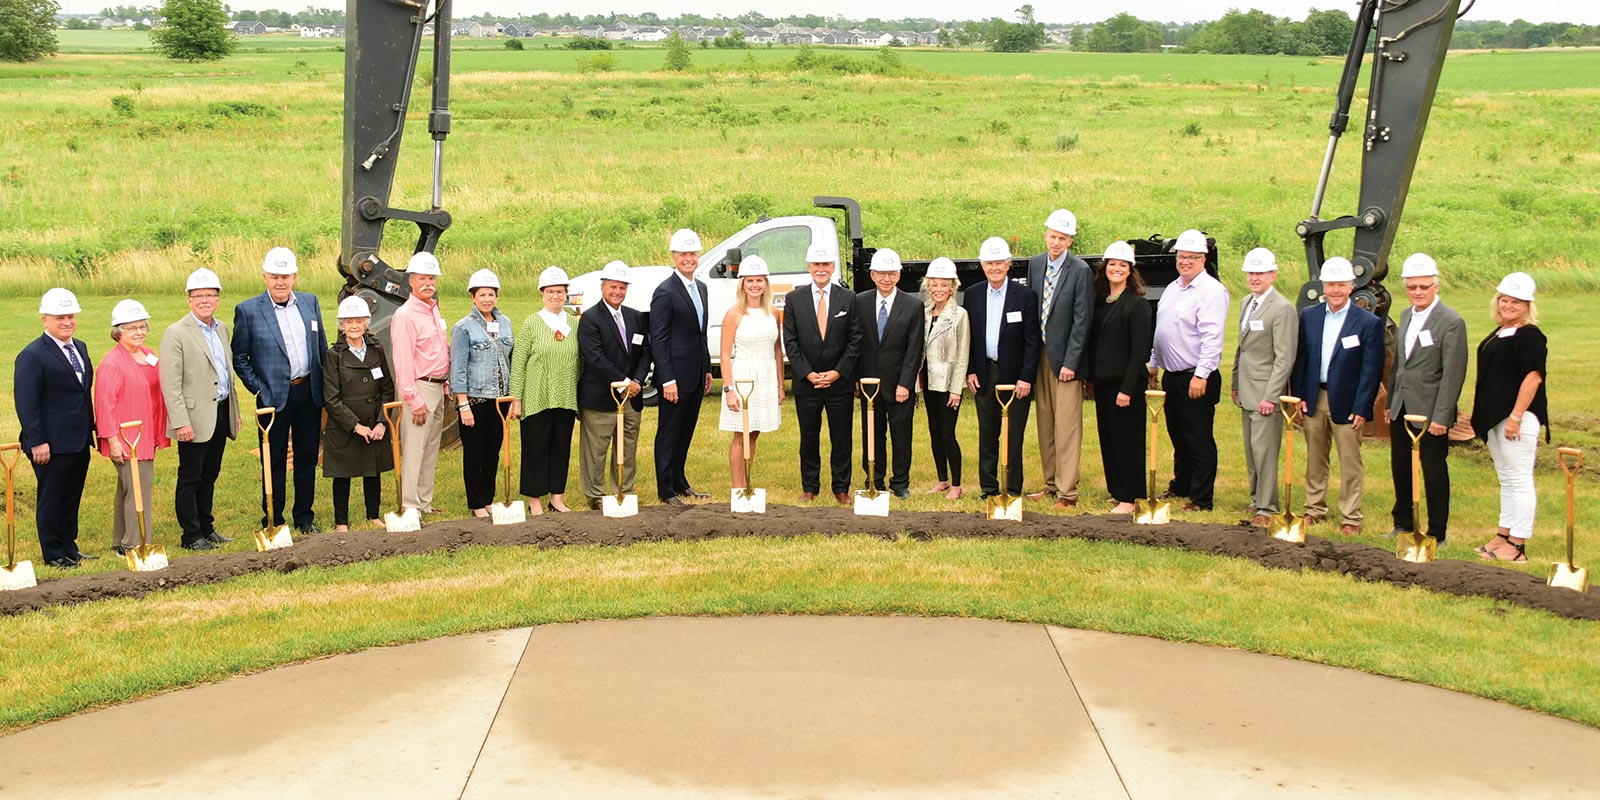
<point x="55" y="408"/>
<point x="1353" y="373"/>
<point x="262" y="364"/>
<point x="1017" y="359"/>
<point x="678" y="343"/>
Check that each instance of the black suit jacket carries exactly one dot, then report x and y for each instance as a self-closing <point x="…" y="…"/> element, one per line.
<point x="677" y="336"/>
<point x="52" y="406"/>
<point x="1119" y="346"/>
<point x="897" y="357"/>
<point x="808" y="351"/>
<point x="606" y="360"/>
<point x="1018" y="348"/>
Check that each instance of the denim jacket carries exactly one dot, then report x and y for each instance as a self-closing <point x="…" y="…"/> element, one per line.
<point x="479" y="366"/>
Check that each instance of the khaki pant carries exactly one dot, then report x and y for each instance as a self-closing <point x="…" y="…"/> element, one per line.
<point x="595" y="455"/>
<point x="1060" y="430"/>
<point x="1263" y="441"/>
<point x="419" y="448"/>
<point x="1321" y="435"/>
<point x="124" y="517"/>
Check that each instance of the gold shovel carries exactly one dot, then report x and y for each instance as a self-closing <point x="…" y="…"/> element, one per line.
<point x="747" y="500"/>
<point x="15" y="574"/>
<point x="269" y="538"/>
<point x="147" y="557"/>
<point x="1005" y="506"/>
<point x="1416" y="546"/>
<point x="1566" y="574"/>
<point x="402" y="519"/>
<point x="870" y="502"/>
<point x="1286" y="525"/>
<point x="508" y="512"/>
<point x="1149" y="510"/>
<point x="619" y="505"/>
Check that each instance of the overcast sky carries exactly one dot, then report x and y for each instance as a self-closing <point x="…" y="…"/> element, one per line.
<point x="1581" y="11"/>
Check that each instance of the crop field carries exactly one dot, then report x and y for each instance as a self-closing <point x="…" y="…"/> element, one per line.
<point x="120" y="172"/>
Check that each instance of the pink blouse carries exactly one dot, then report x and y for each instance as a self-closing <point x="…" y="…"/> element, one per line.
<point x="128" y="388"/>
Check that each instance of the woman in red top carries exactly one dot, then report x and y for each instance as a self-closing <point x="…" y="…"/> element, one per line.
<point x="128" y="389"/>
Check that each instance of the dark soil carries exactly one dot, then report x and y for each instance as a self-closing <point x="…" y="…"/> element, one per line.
<point x="688" y="523"/>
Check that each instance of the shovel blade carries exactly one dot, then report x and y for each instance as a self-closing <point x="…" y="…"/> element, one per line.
<point x="1152" y="512"/>
<point x="408" y="522"/>
<point x="1417" y="548"/>
<point x="147" y="558"/>
<point x="1288" y="527"/>
<point x="508" y="513"/>
<point x="1563" y="576"/>
<point x="18" y="576"/>
<point x="274" y="538"/>
<point x="1005" y="509"/>
<point x="628" y="506"/>
<point x="748" y="501"/>
<point x="871" y="504"/>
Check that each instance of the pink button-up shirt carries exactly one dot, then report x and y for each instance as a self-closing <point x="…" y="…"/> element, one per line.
<point x="421" y="347"/>
<point x="1189" y="326"/>
<point x="128" y="388"/>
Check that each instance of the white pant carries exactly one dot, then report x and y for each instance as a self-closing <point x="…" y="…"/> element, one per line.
<point x="1513" y="462"/>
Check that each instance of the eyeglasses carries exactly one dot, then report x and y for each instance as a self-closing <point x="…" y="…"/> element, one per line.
<point x="1191" y="257"/>
<point x="131" y="328"/>
<point x="204" y="296"/>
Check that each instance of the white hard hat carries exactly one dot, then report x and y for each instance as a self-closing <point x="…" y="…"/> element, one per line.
<point x="279" y="261"/>
<point x="553" y="276"/>
<point x="423" y="263"/>
<point x="59" y="301"/>
<point x="616" y="271"/>
<point x="483" y="279"/>
<point x="1518" y="285"/>
<point x="942" y="267"/>
<point x="127" y="311"/>
<point x="1260" y="260"/>
<point x="1419" y="265"/>
<point x="822" y="252"/>
<point x="685" y="241"/>
<point x="354" y="307"/>
<point x="203" y="278"/>
<point x="1192" y="241"/>
<point x="885" y="260"/>
<point x="1121" y="251"/>
<point x="994" y="249"/>
<point x="1063" y="221"/>
<point x="754" y="267"/>
<point x="1337" y="269"/>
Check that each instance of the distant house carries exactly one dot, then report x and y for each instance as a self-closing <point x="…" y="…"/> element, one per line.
<point x="591" y="31"/>
<point x="564" y="30"/>
<point x="759" y="35"/>
<point x="479" y="30"/>
<point x="517" y="31"/>
<point x="617" y="31"/>
<point x="427" y="29"/>
<point x="314" y="31"/>
<point x="794" y="37"/>
<point x="251" y="28"/>
<point x="649" y="34"/>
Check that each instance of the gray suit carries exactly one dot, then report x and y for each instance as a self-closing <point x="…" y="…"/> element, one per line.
<point x="1065" y="320"/>
<point x="1261" y="368"/>
<point x="189" y="383"/>
<point x="1428" y="381"/>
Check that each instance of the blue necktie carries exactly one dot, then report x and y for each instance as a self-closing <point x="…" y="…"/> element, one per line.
<point x="883" y="318"/>
<point x="72" y="358"/>
<point x="699" y="311"/>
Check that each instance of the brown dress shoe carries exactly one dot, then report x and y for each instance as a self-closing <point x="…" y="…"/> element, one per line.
<point x="1350" y="530"/>
<point x="843" y="498"/>
<point x="1039" y="495"/>
<point x="1193" y="506"/>
<point x="1312" y="519"/>
<point x="1261" y="521"/>
<point x="808" y="496"/>
<point x="1064" y="504"/>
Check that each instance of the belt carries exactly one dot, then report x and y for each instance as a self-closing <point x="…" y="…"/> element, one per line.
<point x="1322" y="386"/>
<point x="432" y="379"/>
<point x="297" y="381"/>
<point x="993" y="360"/>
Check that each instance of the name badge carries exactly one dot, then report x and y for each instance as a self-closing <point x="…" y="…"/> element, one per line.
<point x="441" y="325"/>
<point x="1013" y="316"/>
<point x="313" y="326"/>
<point x="1425" y="339"/>
<point x="377" y="373"/>
<point x="494" y="327"/>
<point x="1351" y="342"/>
<point x="150" y="358"/>
<point x="1506" y="333"/>
<point x="638" y="338"/>
<point x="1257" y="325"/>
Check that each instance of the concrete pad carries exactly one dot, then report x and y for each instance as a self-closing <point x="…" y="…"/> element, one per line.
<point x="1183" y="721"/>
<point x="397" y="722"/>
<point x="792" y="707"/>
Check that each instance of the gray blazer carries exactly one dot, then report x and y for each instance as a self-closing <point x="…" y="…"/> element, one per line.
<point x="1264" y="360"/>
<point x="1429" y="381"/>
<point x="946" y="347"/>
<point x="189" y="380"/>
<point x="1071" y="313"/>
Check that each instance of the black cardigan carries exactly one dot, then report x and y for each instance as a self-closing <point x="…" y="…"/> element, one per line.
<point x="1503" y="362"/>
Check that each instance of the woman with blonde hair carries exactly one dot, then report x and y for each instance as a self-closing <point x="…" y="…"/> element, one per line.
<point x="944" y="370"/>
<point x="1509" y="408"/>
<point x="751" y="351"/>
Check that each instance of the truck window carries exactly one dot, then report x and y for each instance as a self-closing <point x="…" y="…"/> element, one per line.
<point x="783" y="248"/>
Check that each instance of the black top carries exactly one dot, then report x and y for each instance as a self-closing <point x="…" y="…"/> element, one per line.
<point x="1119" y="342"/>
<point x="1505" y="357"/>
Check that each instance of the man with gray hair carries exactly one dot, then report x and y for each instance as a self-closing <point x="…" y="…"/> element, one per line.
<point x="421" y="354"/>
<point x="1430" y="368"/>
<point x="1065" y="286"/>
<point x="1261" y="366"/>
<point x="196" y="367"/>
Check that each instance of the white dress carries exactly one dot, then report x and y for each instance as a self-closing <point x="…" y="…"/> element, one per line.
<point x="753" y="343"/>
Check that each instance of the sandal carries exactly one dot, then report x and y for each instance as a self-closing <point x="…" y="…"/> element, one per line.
<point x="1520" y="555"/>
<point x="1484" y="551"/>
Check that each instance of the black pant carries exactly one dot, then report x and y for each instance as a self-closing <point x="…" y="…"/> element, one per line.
<point x="675" y="434"/>
<point x="942" y="435"/>
<point x="299" y="420"/>
<point x="1122" y="441"/>
<point x="989" y="437"/>
<point x="1435" y="478"/>
<point x="809" y="409"/>
<point x="199" y="464"/>
<point x="546" y="451"/>
<point x="371" y="489"/>
<point x="1194" y="444"/>
<point x="480" y="453"/>
<point x="56" y="500"/>
<point x="893" y="419"/>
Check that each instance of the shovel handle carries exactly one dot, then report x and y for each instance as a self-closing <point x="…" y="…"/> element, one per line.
<point x="1290" y="406"/>
<point x="1564" y="453"/>
<point x="10" y="453"/>
<point x="874" y="384"/>
<point x="394" y="420"/>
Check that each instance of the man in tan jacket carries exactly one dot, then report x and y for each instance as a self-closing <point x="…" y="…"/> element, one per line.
<point x="1268" y="335"/>
<point x="196" y="367"/>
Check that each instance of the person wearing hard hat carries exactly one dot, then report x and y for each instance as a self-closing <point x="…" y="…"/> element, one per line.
<point x="1005" y="347"/>
<point x="202" y="409"/>
<point x="616" y="347"/>
<point x="420" y="345"/>
<point x="1119" y="345"/>
<point x="751" y="350"/>
<point x="891" y="351"/>
<point x="944" y="369"/>
<point x="1190" y="321"/>
<point x="1338" y="367"/>
<point x="53" y="384"/>
<point x="355" y="441"/>
<point x="1261" y="364"/>
<point x="278" y="343"/>
<point x="128" y="389"/>
<point x="1430" y="369"/>
<point x="822" y="339"/>
<point x="1509" y="408"/>
<point x="1065" y="286"/>
<point x="678" y="323"/>
<point x="545" y="364"/>
<point x="480" y="372"/>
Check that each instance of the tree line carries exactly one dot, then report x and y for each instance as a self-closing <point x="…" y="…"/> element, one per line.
<point x="1320" y="33"/>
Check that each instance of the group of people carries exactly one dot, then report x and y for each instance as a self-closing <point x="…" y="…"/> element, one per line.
<point x="1068" y="333"/>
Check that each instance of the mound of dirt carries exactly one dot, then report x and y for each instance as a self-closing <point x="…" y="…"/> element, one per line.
<point x="688" y="523"/>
